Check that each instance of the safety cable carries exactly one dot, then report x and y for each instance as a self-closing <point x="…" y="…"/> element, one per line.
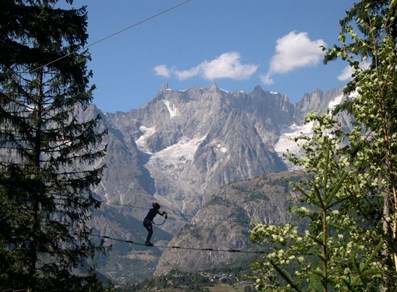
<point x="182" y="247"/>
<point x="113" y="34"/>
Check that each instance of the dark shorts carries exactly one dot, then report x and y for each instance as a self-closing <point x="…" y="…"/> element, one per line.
<point x="147" y="224"/>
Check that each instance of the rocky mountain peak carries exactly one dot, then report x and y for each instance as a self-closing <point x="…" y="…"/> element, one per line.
<point x="184" y="146"/>
<point x="165" y="87"/>
<point x="194" y="141"/>
<point x="257" y="90"/>
<point x="213" y="87"/>
<point x="317" y="101"/>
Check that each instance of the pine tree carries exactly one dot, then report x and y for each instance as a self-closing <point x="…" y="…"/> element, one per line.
<point x="49" y="150"/>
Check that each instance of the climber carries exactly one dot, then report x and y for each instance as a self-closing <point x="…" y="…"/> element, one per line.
<point x="147" y="222"/>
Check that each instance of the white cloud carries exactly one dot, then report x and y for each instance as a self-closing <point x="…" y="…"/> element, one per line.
<point x="346" y="74"/>
<point x="348" y="71"/>
<point x="186" y="74"/>
<point x="267" y="79"/>
<point x="162" y="70"/>
<point x="227" y="65"/>
<point x="293" y="51"/>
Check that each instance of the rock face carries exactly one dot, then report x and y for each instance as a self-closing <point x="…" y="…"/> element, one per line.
<point x="180" y="150"/>
<point x="224" y="222"/>
<point x="184" y="145"/>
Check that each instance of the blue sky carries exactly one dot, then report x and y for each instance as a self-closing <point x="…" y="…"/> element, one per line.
<point x="238" y="44"/>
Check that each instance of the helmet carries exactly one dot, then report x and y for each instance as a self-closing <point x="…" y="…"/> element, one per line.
<point x="156" y="205"/>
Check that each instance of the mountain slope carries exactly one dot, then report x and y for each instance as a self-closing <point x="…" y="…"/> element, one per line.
<point x="180" y="150"/>
<point x="224" y="222"/>
<point x="184" y="145"/>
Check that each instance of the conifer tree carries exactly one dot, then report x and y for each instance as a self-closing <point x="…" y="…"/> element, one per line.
<point x="49" y="150"/>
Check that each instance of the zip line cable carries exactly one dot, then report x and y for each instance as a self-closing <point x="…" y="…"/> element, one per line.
<point x="114" y="34"/>
<point x="173" y="246"/>
<point x="182" y="247"/>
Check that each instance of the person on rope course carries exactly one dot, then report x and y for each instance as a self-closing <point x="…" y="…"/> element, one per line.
<point x="148" y="221"/>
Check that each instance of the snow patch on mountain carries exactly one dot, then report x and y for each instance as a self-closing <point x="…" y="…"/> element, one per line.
<point x="333" y="103"/>
<point x="223" y="149"/>
<point x="285" y="142"/>
<point x="177" y="154"/>
<point x="172" y="109"/>
<point x="146" y="133"/>
<point x="288" y="134"/>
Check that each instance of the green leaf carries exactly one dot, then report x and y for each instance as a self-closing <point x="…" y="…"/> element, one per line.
<point x="370" y="258"/>
<point x="285" y="275"/>
<point x="320" y="242"/>
<point x="336" y="188"/>
<point x="320" y="202"/>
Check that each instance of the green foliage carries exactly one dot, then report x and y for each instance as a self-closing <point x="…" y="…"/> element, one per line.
<point x="183" y="281"/>
<point x="174" y="279"/>
<point x="216" y="200"/>
<point x="350" y="198"/>
<point x="335" y="250"/>
<point x="48" y="148"/>
<point x="256" y="195"/>
<point x="374" y="107"/>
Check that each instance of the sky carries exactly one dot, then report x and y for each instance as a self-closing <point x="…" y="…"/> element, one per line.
<point x="138" y="45"/>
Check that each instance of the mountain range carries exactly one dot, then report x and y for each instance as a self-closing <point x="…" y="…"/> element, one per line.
<point x="201" y="153"/>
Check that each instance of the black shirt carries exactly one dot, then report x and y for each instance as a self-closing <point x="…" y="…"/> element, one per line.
<point x="152" y="213"/>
